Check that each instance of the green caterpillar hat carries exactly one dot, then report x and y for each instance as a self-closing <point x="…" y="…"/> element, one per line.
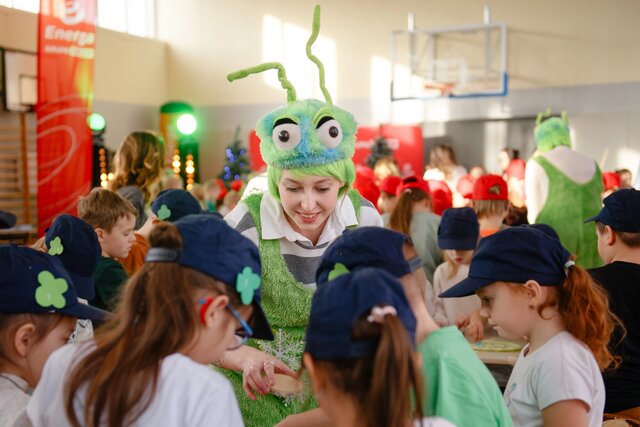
<point x="551" y="132"/>
<point x="306" y="132"/>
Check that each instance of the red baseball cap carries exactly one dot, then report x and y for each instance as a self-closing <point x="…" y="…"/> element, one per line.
<point x="440" y="195"/>
<point x="390" y="184"/>
<point x="611" y="180"/>
<point x="490" y="187"/>
<point x="413" y="181"/>
<point x="465" y="186"/>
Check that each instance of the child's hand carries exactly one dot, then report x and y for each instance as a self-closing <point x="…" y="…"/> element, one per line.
<point x="258" y="373"/>
<point x="475" y="327"/>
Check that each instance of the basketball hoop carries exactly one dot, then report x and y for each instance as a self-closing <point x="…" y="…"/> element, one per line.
<point x="445" y="88"/>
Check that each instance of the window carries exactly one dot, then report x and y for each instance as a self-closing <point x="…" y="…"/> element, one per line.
<point x="136" y="17"/>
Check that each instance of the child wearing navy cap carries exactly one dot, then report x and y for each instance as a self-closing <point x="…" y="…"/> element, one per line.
<point x="457" y="237"/>
<point x="530" y="288"/>
<point x="76" y="244"/>
<point x="197" y="296"/>
<point x="38" y="311"/>
<point x="453" y="376"/>
<point x="413" y="216"/>
<point x="170" y="205"/>
<point x="361" y="352"/>
<point x="113" y="219"/>
<point x="618" y="231"/>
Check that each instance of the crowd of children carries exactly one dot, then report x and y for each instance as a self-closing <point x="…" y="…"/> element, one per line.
<point x="380" y="313"/>
<point x="304" y="306"/>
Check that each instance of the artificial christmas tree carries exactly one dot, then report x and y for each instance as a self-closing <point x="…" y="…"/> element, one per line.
<point x="237" y="165"/>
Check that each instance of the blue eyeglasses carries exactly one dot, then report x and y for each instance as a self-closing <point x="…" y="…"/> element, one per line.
<point x="415" y="263"/>
<point x="244" y="333"/>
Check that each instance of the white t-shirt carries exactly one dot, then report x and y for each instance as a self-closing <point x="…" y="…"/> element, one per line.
<point x="188" y="394"/>
<point x="433" y="422"/>
<point x="562" y="369"/>
<point x="449" y="309"/>
<point x="14" y="396"/>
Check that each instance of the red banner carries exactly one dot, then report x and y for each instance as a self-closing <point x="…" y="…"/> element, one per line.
<point x="405" y="141"/>
<point x="66" y="51"/>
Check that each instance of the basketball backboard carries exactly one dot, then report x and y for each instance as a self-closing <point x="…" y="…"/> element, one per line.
<point x="20" y="80"/>
<point x="457" y="62"/>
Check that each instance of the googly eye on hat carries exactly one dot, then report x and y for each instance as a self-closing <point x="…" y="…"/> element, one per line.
<point x="305" y="132"/>
<point x="213" y="248"/>
<point x="36" y="282"/>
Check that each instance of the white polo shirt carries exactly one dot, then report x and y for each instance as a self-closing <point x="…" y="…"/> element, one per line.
<point x="301" y="256"/>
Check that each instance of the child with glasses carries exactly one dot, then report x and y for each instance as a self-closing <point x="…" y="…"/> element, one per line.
<point x="197" y="296"/>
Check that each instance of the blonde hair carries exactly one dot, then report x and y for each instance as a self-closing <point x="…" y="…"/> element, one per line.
<point x="402" y="214"/>
<point x="489" y="208"/>
<point x="138" y="161"/>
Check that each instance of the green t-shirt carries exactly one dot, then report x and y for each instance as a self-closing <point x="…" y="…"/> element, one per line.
<point x="108" y="279"/>
<point x="458" y="386"/>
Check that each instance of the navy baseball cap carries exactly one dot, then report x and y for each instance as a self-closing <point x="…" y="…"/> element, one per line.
<point x="217" y="250"/>
<point x="173" y="204"/>
<point x="337" y="306"/>
<point x="621" y="211"/>
<point x="516" y="254"/>
<point x="36" y="282"/>
<point x="545" y="228"/>
<point x="366" y="247"/>
<point x="76" y="244"/>
<point x="459" y="229"/>
<point x="7" y="219"/>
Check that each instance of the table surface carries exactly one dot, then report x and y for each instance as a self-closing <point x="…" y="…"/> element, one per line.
<point x="22" y="233"/>
<point x="500" y="357"/>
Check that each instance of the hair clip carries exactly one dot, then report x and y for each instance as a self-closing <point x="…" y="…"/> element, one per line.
<point x="206" y="302"/>
<point x="162" y="255"/>
<point x="567" y="266"/>
<point x="378" y="313"/>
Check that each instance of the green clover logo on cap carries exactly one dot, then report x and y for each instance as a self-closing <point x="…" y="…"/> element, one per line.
<point x="49" y="293"/>
<point x="246" y="284"/>
<point x="55" y="246"/>
<point x="338" y="270"/>
<point x="164" y="212"/>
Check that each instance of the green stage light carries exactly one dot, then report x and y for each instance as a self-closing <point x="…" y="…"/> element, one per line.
<point x="96" y="122"/>
<point x="187" y="124"/>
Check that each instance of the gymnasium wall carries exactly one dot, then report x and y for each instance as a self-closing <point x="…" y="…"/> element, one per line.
<point x="130" y="73"/>
<point x="578" y="55"/>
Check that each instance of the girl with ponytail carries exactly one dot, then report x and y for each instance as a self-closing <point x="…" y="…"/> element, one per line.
<point x="530" y="287"/>
<point x="361" y="352"/>
<point x="190" y="302"/>
<point x="413" y="216"/>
